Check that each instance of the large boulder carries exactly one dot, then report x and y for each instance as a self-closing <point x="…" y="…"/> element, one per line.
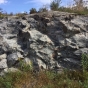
<point x="12" y="59"/>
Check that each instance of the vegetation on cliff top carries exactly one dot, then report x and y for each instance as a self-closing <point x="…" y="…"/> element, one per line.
<point x="77" y="7"/>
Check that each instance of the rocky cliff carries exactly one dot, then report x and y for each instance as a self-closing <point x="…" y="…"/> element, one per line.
<point x="52" y="40"/>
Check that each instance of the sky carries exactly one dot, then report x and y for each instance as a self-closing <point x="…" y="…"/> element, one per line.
<point x="16" y="6"/>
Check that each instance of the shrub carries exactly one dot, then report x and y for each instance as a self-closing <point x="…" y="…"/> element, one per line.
<point x="85" y="62"/>
<point x="55" y="4"/>
<point x="7" y="81"/>
<point x="20" y="15"/>
<point x="2" y="16"/>
<point x="11" y="14"/>
<point x="79" y="5"/>
<point x="43" y="9"/>
<point x="33" y="10"/>
<point x="24" y="67"/>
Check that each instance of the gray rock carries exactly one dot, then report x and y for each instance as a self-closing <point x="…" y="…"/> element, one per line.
<point x="36" y="37"/>
<point x="12" y="58"/>
<point x="6" y="70"/>
<point x="69" y="63"/>
<point x="3" y="64"/>
<point x="3" y="56"/>
<point x="81" y="51"/>
<point x="80" y="40"/>
<point x="11" y="70"/>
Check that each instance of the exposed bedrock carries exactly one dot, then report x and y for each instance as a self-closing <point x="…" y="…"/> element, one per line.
<point x="50" y="40"/>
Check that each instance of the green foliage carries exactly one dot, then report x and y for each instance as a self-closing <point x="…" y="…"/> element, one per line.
<point x="78" y="12"/>
<point x="85" y="84"/>
<point x="33" y="10"/>
<point x="43" y="9"/>
<point x="85" y="62"/>
<point x="48" y="79"/>
<point x="20" y="15"/>
<point x="84" y="12"/>
<point x="51" y="75"/>
<point x="2" y="16"/>
<point x="7" y="80"/>
<point x="11" y="14"/>
<point x="55" y="4"/>
<point x="24" y="67"/>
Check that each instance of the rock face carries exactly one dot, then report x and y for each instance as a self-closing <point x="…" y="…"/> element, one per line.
<point x="52" y="40"/>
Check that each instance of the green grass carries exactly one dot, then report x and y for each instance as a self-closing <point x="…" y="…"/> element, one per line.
<point x="85" y="62"/>
<point x="26" y="78"/>
<point x="45" y="79"/>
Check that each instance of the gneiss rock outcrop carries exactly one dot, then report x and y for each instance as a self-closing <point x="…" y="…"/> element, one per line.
<point x="52" y="40"/>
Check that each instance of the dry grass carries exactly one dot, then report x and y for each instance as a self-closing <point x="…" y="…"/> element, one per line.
<point x="68" y="79"/>
<point x="26" y="78"/>
<point x="78" y="12"/>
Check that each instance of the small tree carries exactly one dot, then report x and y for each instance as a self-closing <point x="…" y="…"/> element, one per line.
<point x="79" y="5"/>
<point x="33" y="10"/>
<point x="11" y="14"/>
<point x="55" y="4"/>
<point x="43" y="10"/>
<point x="1" y="13"/>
